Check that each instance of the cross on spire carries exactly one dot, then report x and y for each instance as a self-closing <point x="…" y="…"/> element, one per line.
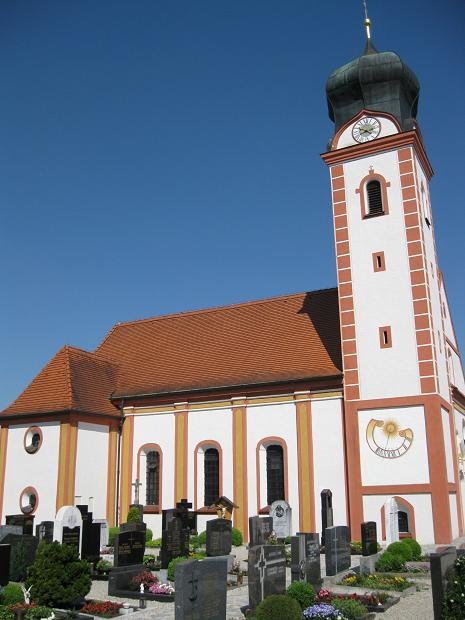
<point x="367" y="21"/>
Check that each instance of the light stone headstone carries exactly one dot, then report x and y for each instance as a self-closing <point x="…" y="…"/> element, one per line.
<point x="103" y="532"/>
<point x="67" y="528"/>
<point x="391" y="521"/>
<point x="281" y="513"/>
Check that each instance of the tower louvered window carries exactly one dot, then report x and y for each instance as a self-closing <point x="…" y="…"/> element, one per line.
<point x="374" y="198"/>
<point x="152" y="496"/>
<point x="274" y="473"/>
<point x="212" y="476"/>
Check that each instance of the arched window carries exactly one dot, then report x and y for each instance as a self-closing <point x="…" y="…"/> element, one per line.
<point x="374" y="197"/>
<point x="152" y="481"/>
<point x="274" y="473"/>
<point x="211" y="476"/>
<point x="402" y="516"/>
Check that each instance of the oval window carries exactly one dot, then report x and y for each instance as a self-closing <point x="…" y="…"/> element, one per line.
<point x="28" y="501"/>
<point x="32" y="440"/>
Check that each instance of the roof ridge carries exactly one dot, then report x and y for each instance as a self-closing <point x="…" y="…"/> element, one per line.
<point x="90" y="354"/>
<point x="210" y="309"/>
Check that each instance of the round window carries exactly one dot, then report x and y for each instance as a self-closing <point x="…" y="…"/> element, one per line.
<point x="28" y="501"/>
<point x="32" y="439"/>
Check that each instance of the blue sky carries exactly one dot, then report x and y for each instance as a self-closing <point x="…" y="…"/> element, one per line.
<point x="160" y="156"/>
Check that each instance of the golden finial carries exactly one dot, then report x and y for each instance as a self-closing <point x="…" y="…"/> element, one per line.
<point x="367" y="22"/>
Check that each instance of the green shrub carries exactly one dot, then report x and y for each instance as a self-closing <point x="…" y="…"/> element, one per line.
<point x="388" y="562"/>
<point x="148" y="535"/>
<point x="112" y="533"/>
<point x="58" y="577"/>
<point x="103" y="565"/>
<point x="302" y="592"/>
<point x="12" y="594"/>
<point x="36" y="613"/>
<point x="172" y="566"/>
<point x="154" y="544"/>
<point x="288" y="540"/>
<point x="236" y="536"/>
<point x="133" y="515"/>
<point x="202" y="537"/>
<point x="415" y="548"/>
<point x="279" y="607"/>
<point x="356" y="547"/>
<point x="404" y="551"/>
<point x="6" y="614"/>
<point x="350" y="609"/>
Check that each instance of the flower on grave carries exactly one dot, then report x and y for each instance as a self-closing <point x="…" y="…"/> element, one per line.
<point x="324" y="596"/>
<point x="322" y="610"/>
<point x="272" y="539"/>
<point x="145" y="578"/>
<point x="161" y="588"/>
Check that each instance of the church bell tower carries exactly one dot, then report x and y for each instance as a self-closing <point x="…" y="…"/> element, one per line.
<point x="399" y="422"/>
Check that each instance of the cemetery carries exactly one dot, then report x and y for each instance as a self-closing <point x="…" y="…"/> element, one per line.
<point x="68" y="566"/>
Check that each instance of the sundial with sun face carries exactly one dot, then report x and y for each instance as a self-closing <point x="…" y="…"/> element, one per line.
<point x="387" y="440"/>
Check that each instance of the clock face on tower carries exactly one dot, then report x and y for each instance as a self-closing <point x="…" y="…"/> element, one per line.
<point x="366" y="129"/>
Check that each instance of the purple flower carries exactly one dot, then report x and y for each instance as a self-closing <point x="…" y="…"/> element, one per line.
<point x="322" y="610"/>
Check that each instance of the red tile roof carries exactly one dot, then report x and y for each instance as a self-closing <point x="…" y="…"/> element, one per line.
<point x="73" y="380"/>
<point x="280" y="339"/>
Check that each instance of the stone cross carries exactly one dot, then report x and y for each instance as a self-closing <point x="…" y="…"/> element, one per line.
<point x="136" y="484"/>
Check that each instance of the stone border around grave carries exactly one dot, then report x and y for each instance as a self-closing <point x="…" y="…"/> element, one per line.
<point x="147" y="596"/>
<point x="338" y="589"/>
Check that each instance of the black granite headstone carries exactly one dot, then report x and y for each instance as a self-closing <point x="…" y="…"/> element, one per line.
<point x="119" y="578"/>
<point x="442" y="568"/>
<point x="337" y="549"/>
<point x="369" y="538"/>
<point x="188" y="517"/>
<point x="305" y="558"/>
<point x="24" y="521"/>
<point x="260" y="529"/>
<point x="5" y="552"/>
<point x="174" y="542"/>
<point x="201" y="589"/>
<point x="267" y="572"/>
<point x="166" y="517"/>
<point x="90" y="545"/>
<point x="44" y="531"/>
<point x="219" y="541"/>
<point x="129" y="548"/>
<point x="326" y="512"/>
<point x="70" y="536"/>
<point x="22" y="554"/>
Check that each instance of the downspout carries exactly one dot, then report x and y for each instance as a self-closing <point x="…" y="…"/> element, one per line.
<point x="118" y="461"/>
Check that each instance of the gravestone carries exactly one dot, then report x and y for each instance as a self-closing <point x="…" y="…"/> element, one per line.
<point x="44" y="531"/>
<point x="369" y="538"/>
<point x="10" y="529"/>
<point x="337" y="549"/>
<point x="104" y="532"/>
<point x="119" y="579"/>
<point x="260" y="529"/>
<point x="442" y="567"/>
<point x="281" y="513"/>
<point x="200" y="589"/>
<point x="305" y="558"/>
<point x="67" y="528"/>
<point x="326" y="512"/>
<point x="167" y="516"/>
<point x="174" y="542"/>
<point x="267" y="572"/>
<point x="219" y="537"/>
<point x="22" y="554"/>
<point x="188" y="517"/>
<point x="391" y="521"/>
<point x="5" y="552"/>
<point x="90" y="546"/>
<point x="129" y="547"/>
<point x="26" y="522"/>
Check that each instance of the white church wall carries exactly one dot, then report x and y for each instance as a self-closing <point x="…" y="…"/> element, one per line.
<point x="39" y="470"/>
<point x="423" y="511"/>
<point x="448" y="445"/>
<point x="215" y="425"/>
<point x="387" y="128"/>
<point x="92" y="467"/>
<point x="412" y="466"/>
<point x="456" y="371"/>
<point x="433" y="279"/>
<point x="328" y="457"/>
<point x="383" y="372"/>
<point x="453" y="515"/>
<point x="272" y="421"/>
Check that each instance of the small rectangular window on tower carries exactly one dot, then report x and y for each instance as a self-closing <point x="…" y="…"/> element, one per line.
<point x="378" y="261"/>
<point x="385" y="338"/>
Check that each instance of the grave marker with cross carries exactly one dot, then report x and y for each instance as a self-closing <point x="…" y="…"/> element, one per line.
<point x="267" y="572"/>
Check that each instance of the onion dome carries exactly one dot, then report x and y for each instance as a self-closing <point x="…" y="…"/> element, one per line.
<point x="377" y="81"/>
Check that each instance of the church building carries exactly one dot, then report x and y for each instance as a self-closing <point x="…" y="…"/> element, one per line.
<point x="358" y="389"/>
